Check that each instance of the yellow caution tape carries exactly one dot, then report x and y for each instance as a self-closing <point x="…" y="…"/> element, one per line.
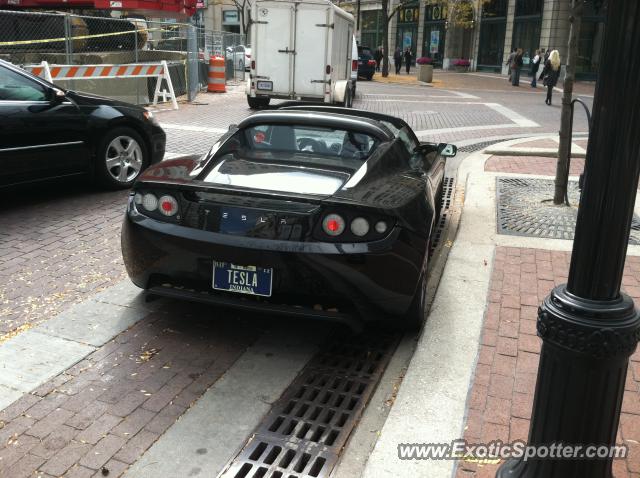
<point x="81" y="37"/>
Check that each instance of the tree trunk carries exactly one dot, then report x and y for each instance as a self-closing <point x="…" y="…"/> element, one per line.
<point x="385" y="38"/>
<point x="562" y="167"/>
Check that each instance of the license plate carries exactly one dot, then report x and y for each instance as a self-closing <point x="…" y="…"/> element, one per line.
<point x="265" y="85"/>
<point x="242" y="279"/>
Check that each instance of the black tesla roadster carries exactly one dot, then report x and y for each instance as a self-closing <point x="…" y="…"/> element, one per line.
<point x="310" y="211"/>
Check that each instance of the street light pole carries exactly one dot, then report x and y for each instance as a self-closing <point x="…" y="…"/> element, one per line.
<point x="588" y="328"/>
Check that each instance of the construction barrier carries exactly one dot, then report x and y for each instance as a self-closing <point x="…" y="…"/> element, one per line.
<point x="133" y="70"/>
<point x="217" y="80"/>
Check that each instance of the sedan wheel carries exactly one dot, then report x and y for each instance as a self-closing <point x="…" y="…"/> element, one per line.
<point x="121" y="158"/>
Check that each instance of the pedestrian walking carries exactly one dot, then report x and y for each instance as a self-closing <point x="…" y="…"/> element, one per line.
<point x="397" y="60"/>
<point x="377" y="56"/>
<point x="510" y="62"/>
<point x="551" y="73"/>
<point x="407" y="59"/>
<point x="534" y="66"/>
<point x="516" y="67"/>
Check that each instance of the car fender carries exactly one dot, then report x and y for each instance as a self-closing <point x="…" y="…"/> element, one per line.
<point x="339" y="90"/>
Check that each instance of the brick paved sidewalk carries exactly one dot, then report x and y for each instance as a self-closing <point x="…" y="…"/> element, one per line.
<point x="56" y="249"/>
<point x="501" y="398"/>
<point x="106" y="411"/>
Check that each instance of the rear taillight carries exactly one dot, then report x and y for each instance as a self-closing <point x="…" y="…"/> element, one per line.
<point x="354" y="65"/>
<point x="327" y="69"/>
<point x="360" y="226"/>
<point x="167" y="205"/>
<point x="253" y="64"/>
<point x="333" y="225"/>
<point x="371" y="63"/>
<point x="150" y="202"/>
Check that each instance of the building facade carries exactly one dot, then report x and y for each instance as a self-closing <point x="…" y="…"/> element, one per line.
<point x="482" y="31"/>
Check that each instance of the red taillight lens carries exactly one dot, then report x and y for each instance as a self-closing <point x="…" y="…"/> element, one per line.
<point x="333" y="225"/>
<point x="167" y="205"/>
<point x="328" y="69"/>
<point x="354" y="65"/>
<point x="253" y="64"/>
<point x="371" y="63"/>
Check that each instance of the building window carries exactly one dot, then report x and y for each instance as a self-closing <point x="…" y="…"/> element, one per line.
<point x="407" y="36"/>
<point x="494" y="9"/>
<point x="591" y="41"/>
<point x="493" y="28"/>
<point x="435" y="17"/>
<point x="526" y="27"/>
<point x="528" y="7"/>
<point x="371" y="28"/>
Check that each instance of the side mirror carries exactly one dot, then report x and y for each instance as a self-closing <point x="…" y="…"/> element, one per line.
<point x="56" y="95"/>
<point x="447" y="150"/>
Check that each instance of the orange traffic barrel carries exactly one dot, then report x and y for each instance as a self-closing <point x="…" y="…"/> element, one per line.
<point x="216" y="82"/>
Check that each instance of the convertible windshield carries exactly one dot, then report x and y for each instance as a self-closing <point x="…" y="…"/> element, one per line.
<point x="339" y="144"/>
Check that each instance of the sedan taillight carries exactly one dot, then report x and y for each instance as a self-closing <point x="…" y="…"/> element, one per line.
<point x="371" y="63"/>
<point x="354" y="65"/>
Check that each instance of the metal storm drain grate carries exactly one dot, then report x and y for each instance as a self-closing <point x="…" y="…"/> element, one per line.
<point x="304" y="432"/>
<point x="471" y="148"/>
<point x="448" y="185"/>
<point x="522" y="212"/>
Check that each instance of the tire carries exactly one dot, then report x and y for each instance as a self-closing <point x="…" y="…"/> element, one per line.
<point x="120" y="158"/>
<point x="370" y="77"/>
<point x="415" y="316"/>
<point x="348" y="100"/>
<point x="257" y="102"/>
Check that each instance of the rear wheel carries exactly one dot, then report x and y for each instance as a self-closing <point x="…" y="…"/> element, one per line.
<point x="370" y="77"/>
<point x="415" y="316"/>
<point x="257" y="102"/>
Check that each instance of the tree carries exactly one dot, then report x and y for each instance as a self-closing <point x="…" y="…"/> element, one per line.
<point x="386" y="18"/>
<point x="562" y="165"/>
<point x="244" y="9"/>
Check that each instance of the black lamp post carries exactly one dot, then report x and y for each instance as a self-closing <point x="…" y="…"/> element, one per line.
<point x="588" y="328"/>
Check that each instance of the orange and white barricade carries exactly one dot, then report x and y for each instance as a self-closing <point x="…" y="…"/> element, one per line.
<point x="216" y="79"/>
<point x="133" y="70"/>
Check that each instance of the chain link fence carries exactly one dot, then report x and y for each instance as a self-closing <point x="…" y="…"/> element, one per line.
<point x="28" y="38"/>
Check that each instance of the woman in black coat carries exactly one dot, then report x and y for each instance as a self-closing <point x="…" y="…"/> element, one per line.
<point x="551" y="73"/>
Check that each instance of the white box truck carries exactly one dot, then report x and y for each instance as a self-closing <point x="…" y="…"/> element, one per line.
<point x="300" y="51"/>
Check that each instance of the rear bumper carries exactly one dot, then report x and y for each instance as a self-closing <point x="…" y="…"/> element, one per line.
<point x="309" y="279"/>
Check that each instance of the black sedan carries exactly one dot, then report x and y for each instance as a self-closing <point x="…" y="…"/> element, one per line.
<point x="310" y="211"/>
<point x="48" y="133"/>
<point x="366" y="63"/>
